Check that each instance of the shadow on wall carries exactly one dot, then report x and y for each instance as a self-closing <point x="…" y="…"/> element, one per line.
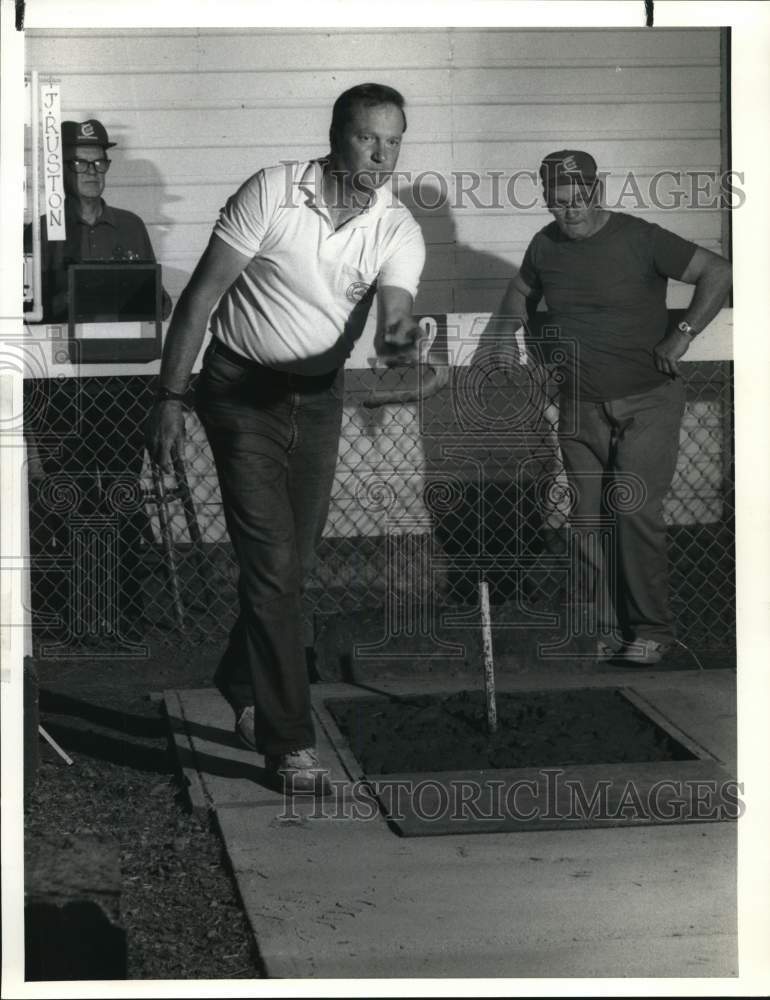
<point x="457" y="277"/>
<point x="139" y="187"/>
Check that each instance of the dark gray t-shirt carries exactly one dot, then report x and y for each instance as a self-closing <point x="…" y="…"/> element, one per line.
<point x="607" y="297"/>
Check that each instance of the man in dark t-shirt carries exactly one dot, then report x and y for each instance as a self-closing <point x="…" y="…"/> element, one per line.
<point x="604" y="277"/>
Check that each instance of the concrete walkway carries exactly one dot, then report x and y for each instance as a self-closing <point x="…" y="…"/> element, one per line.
<point x="332" y="891"/>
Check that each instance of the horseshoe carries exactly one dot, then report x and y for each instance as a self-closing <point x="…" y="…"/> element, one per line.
<point x="430" y="380"/>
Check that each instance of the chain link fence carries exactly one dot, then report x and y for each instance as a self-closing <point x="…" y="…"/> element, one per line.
<point x="428" y="499"/>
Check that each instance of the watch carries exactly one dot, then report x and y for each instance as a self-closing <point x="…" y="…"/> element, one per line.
<point x="684" y="327"/>
<point x="162" y="393"/>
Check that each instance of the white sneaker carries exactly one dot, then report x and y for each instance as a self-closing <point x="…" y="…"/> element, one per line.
<point x="299" y="771"/>
<point x="640" y="653"/>
<point x="607" y="648"/>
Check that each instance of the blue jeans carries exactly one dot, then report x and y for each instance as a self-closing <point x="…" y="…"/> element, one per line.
<point x="274" y="437"/>
<point x="620" y="461"/>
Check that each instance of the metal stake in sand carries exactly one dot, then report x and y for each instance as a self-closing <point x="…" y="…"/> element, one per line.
<point x="49" y="739"/>
<point x="489" y="663"/>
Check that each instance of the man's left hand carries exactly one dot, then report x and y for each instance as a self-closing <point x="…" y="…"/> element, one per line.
<point x="669" y="351"/>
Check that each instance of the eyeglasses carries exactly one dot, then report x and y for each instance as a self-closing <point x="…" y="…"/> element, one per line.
<point x="100" y="166"/>
<point x="577" y="202"/>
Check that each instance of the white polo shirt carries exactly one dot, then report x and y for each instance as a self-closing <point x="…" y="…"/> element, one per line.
<point x="295" y="306"/>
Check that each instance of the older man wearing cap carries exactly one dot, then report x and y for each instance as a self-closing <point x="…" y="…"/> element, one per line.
<point x="102" y="437"/>
<point x="289" y="271"/>
<point x="604" y="277"/>
<point x="95" y="231"/>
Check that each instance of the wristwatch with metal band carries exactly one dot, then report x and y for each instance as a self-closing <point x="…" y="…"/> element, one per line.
<point x="684" y="327"/>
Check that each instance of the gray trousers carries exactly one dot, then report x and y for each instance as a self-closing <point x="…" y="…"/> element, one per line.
<point x="620" y="460"/>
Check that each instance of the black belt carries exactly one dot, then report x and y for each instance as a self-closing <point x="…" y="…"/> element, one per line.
<point x="292" y="378"/>
<point x="217" y="347"/>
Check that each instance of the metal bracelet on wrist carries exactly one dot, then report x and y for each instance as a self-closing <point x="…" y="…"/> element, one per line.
<point x="163" y="393"/>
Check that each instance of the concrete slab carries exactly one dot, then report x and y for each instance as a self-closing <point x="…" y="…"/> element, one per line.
<point x="331" y="891"/>
<point x="333" y="897"/>
<point x="703" y="703"/>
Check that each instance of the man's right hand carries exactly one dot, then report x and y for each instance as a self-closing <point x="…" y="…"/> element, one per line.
<point x="217" y="269"/>
<point x="401" y="342"/>
<point x="164" y="432"/>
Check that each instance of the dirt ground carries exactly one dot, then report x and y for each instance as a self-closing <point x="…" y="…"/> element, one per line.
<point x="179" y="905"/>
<point x="534" y="729"/>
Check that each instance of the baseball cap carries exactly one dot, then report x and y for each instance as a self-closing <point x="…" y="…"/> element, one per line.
<point x="568" y="166"/>
<point x="87" y="133"/>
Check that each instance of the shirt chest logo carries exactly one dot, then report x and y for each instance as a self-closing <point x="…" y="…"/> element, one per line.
<point x="357" y="290"/>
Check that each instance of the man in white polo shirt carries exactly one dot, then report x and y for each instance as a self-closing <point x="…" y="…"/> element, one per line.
<point x="291" y="268"/>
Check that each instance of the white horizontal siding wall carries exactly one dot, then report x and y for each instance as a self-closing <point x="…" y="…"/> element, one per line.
<point x="195" y="112"/>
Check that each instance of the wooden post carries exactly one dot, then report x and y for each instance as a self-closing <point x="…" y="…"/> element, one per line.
<point x="489" y="665"/>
